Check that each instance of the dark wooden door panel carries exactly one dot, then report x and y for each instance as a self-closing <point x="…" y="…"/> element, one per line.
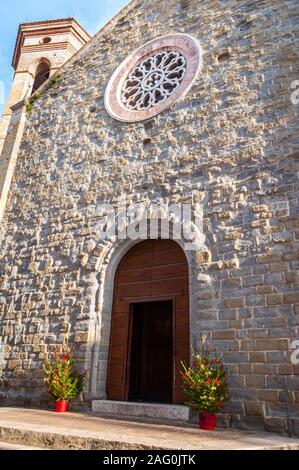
<point x="136" y="289"/>
<point x="130" y="275"/>
<point x="151" y="360"/>
<point x="170" y="271"/>
<point x="168" y="287"/>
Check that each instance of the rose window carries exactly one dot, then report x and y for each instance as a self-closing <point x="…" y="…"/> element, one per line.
<point x="153" y="78"/>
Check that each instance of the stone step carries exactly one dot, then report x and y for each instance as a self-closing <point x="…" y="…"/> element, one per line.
<point x="50" y="430"/>
<point x="152" y="411"/>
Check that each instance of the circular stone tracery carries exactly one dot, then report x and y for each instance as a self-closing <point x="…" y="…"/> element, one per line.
<point x="153" y="80"/>
<point x="153" y="77"/>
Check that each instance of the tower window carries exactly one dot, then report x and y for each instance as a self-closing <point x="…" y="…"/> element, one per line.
<point x="45" y="40"/>
<point x="42" y="74"/>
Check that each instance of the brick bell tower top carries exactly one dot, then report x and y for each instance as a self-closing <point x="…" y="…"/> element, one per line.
<point x="42" y="47"/>
<point x="56" y="40"/>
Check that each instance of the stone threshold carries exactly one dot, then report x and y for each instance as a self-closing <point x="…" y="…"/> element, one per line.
<point x="177" y="414"/>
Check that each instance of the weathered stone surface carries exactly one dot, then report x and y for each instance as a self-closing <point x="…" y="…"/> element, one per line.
<point x="83" y="432"/>
<point x="228" y="143"/>
<point x="171" y="413"/>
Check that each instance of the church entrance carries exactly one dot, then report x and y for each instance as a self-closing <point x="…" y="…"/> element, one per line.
<point x="151" y="359"/>
<point x="150" y="324"/>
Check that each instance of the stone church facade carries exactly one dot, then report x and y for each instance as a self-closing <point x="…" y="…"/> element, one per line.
<point x="183" y="101"/>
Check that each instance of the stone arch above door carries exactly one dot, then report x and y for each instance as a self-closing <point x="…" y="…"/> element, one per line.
<point x="152" y="270"/>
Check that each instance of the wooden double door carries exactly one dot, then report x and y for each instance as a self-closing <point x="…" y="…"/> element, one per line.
<point x="150" y="324"/>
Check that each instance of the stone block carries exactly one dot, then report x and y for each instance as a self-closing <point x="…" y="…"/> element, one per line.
<point x="269" y="257"/>
<point x="292" y="277"/>
<point x="292" y="382"/>
<point x="274" y="278"/>
<point x="224" y="334"/>
<point x="274" y="299"/>
<point x="291" y="256"/>
<point x="255" y="380"/>
<point x="255" y="300"/>
<point x="81" y="337"/>
<point x="234" y="283"/>
<point x="257" y="333"/>
<point x="228" y="314"/>
<point x="251" y="423"/>
<point x="234" y="407"/>
<point x="236" y="357"/>
<point x="253" y="408"/>
<point x="174" y="413"/>
<point x="278" y="267"/>
<point x="257" y="357"/>
<point x="234" y="302"/>
<point x="236" y="380"/>
<point x="264" y="289"/>
<point x="275" y="382"/>
<point x="264" y="369"/>
<point x="252" y="281"/>
<point x="267" y="395"/>
<point x="285" y="369"/>
<point x="244" y="394"/>
<point x="244" y="369"/>
<point x="247" y="345"/>
<point x="291" y="297"/>
<point x="276" y="357"/>
<point x="272" y="344"/>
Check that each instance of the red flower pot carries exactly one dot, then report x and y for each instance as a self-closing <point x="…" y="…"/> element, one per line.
<point x="207" y="420"/>
<point x="61" y="406"/>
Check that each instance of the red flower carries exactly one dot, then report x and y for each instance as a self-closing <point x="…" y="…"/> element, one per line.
<point x="208" y="380"/>
<point x="217" y="381"/>
<point x="65" y="357"/>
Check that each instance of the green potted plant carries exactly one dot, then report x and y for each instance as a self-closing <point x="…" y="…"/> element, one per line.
<point x="63" y="381"/>
<point x="205" y="384"/>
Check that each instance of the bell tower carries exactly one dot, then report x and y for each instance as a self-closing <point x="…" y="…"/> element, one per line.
<point x="41" y="49"/>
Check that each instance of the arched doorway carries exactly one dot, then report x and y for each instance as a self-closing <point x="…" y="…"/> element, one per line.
<point x="150" y="324"/>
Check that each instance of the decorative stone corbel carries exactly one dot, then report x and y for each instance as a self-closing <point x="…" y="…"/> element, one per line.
<point x="203" y="258"/>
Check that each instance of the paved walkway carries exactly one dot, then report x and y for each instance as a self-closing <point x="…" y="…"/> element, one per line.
<point x="15" y="446"/>
<point x="84" y="431"/>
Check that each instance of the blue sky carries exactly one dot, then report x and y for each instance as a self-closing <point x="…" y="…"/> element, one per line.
<point x="92" y="14"/>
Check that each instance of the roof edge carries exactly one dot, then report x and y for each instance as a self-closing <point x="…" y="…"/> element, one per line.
<point x="69" y="20"/>
<point x="107" y="26"/>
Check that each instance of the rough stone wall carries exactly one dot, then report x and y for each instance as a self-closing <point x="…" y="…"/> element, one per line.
<point x="230" y="143"/>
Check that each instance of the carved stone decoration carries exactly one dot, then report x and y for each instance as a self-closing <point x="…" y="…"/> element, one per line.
<point x="203" y="258"/>
<point x="153" y="78"/>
